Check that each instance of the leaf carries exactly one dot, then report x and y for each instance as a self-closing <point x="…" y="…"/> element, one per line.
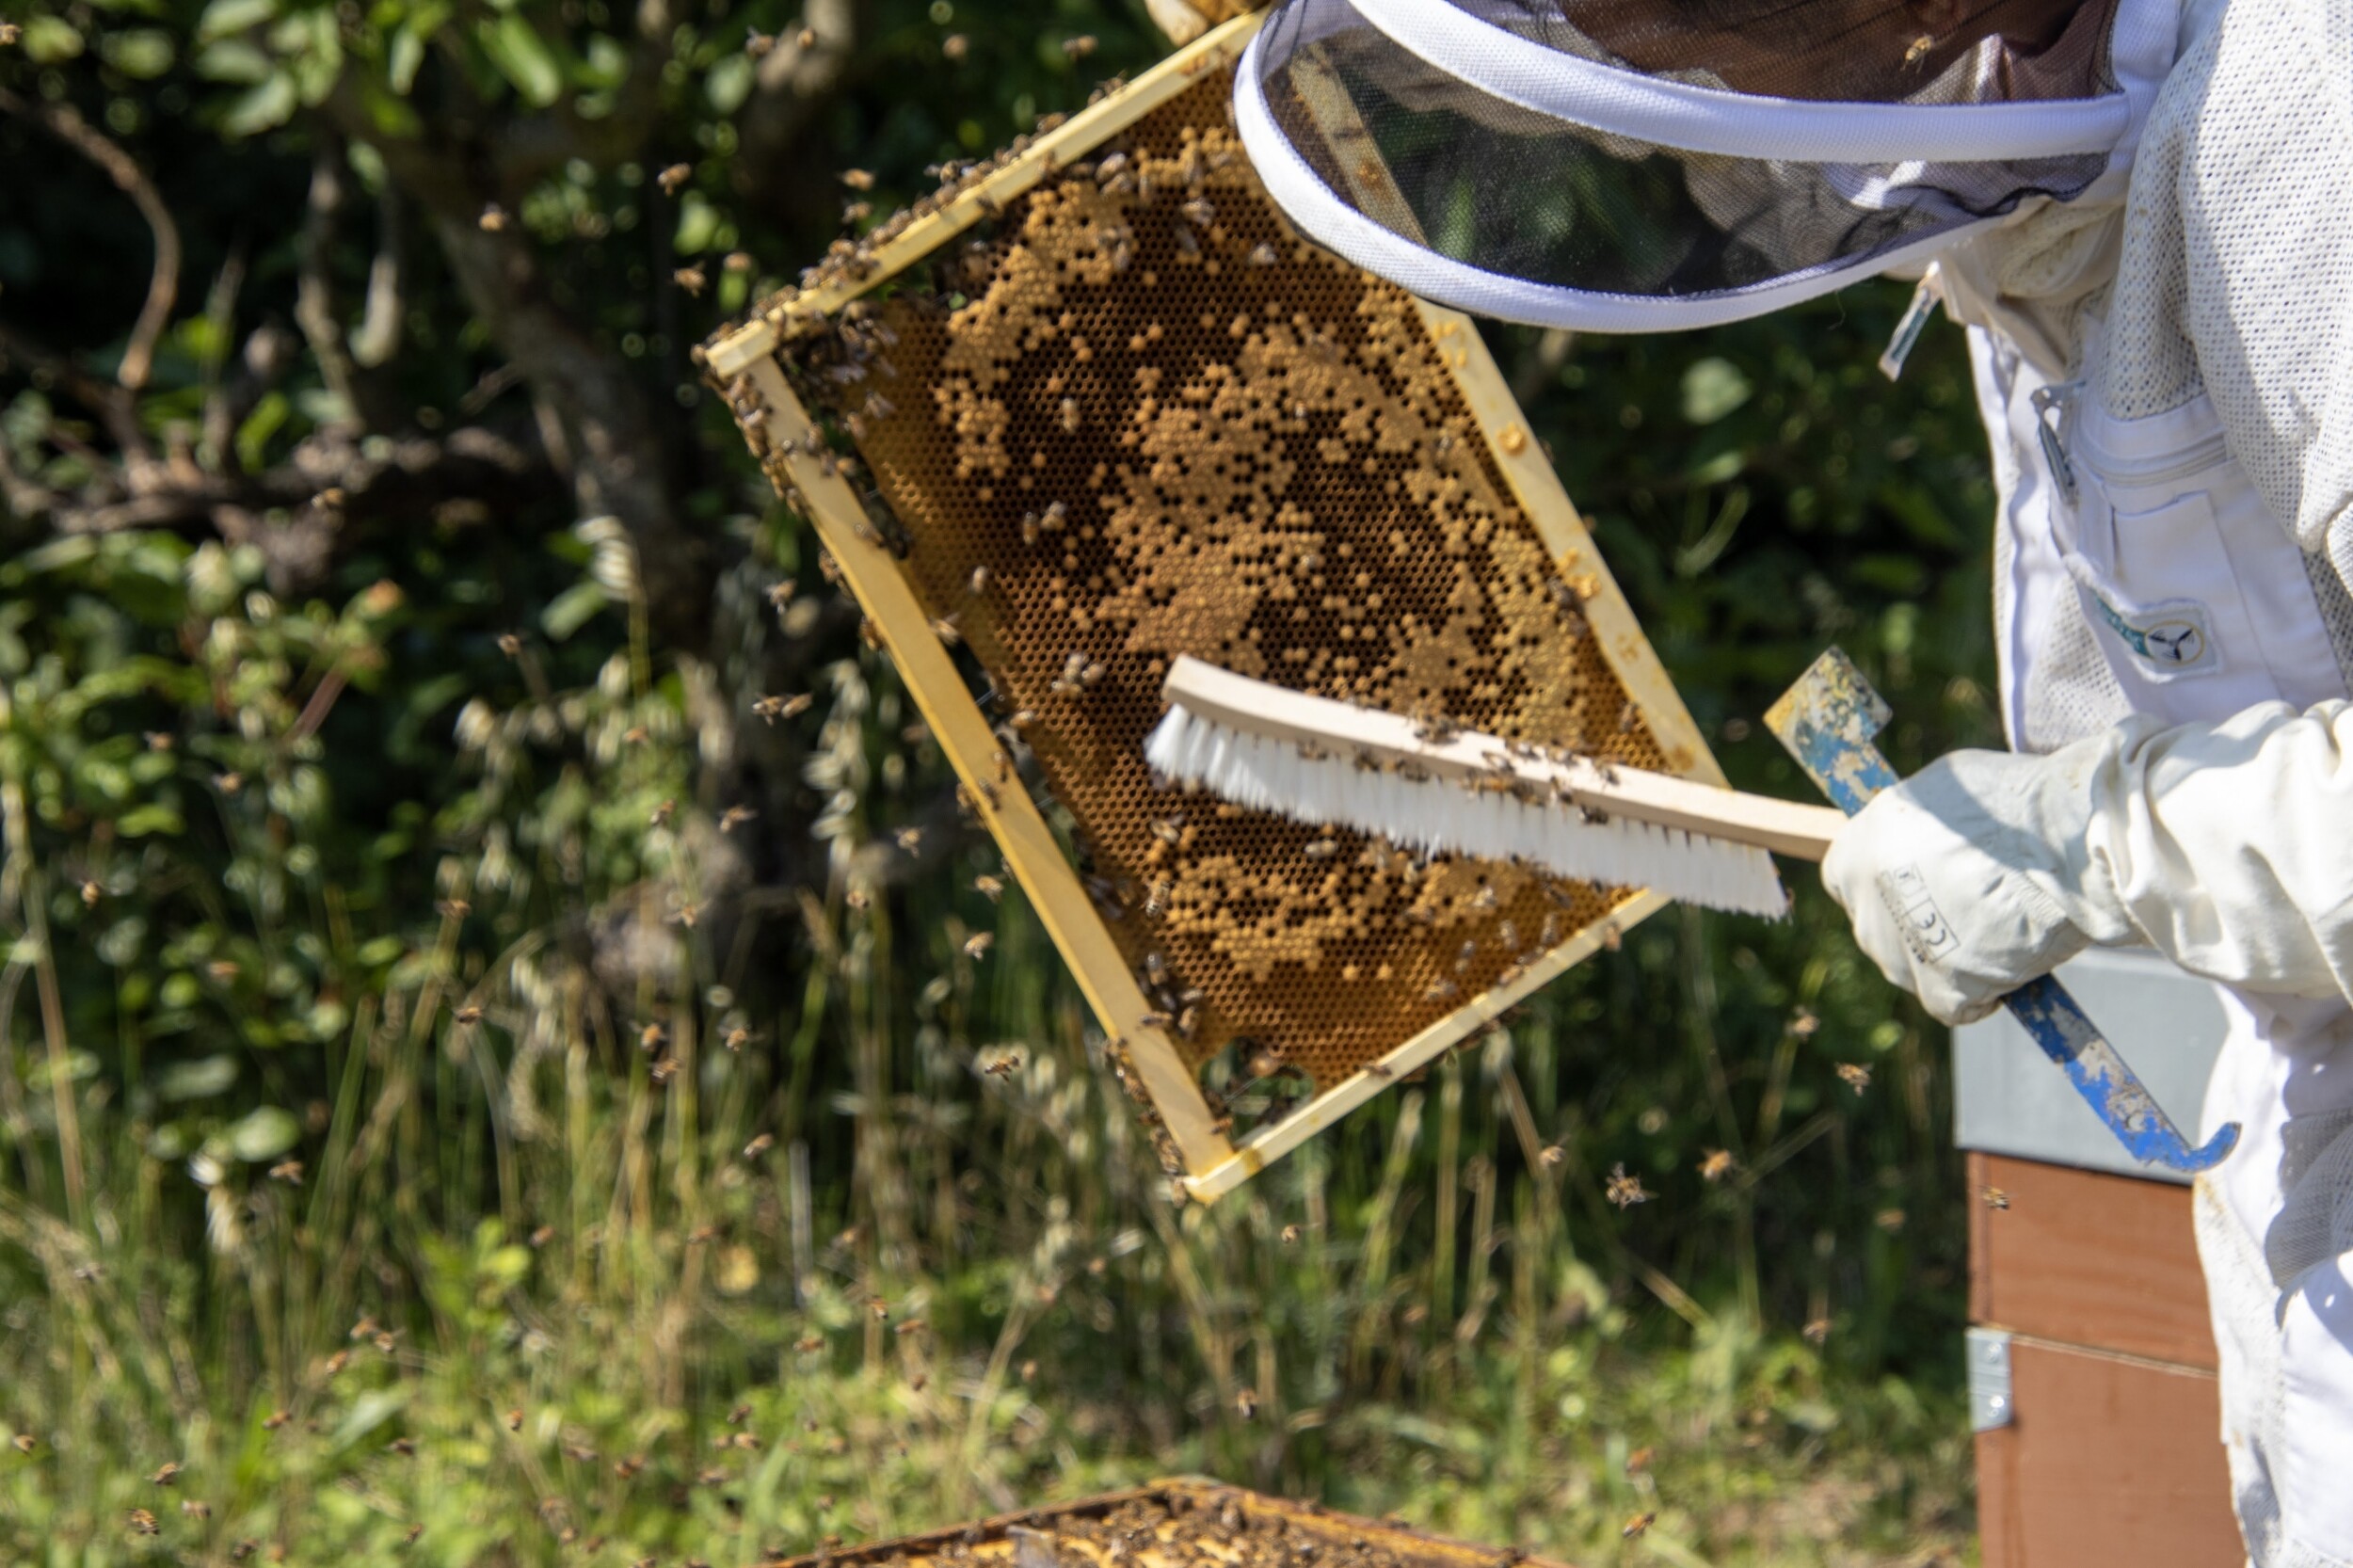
<point x="572" y="609"/>
<point x="263" y="106"/>
<point x="224" y="17"/>
<point x="1713" y="388"/>
<point x="729" y="83"/>
<point x="522" y="57"/>
<point x="196" y="1080"/>
<point x="263" y="1134"/>
<point x="145" y="53"/>
<point x="370" y="1411"/>
<point x="51" y="39"/>
<point x="267" y="415"/>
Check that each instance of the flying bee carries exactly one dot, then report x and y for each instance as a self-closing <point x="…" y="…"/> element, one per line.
<point x="1855" y="1075"/>
<point x="978" y="944"/>
<point x="1611" y="936"/>
<point x="1003" y="1064"/>
<point x="858" y="179"/>
<point x="662" y="1071"/>
<point x="1634" y="1528"/>
<point x="759" y="1146"/>
<point x="662" y="814"/>
<point x="1246" y="1405"/>
<point x="1623" y="1190"/>
<point x="1816" y="1331"/>
<point x="771" y="708"/>
<point x="735" y="816"/>
<point x="1290" y="1235"/>
<point x="1917" y="52"/>
<point x="1995" y="1198"/>
<point x="287" y="1170"/>
<point x="1550" y="1156"/>
<point x="468" y="1014"/>
<point x="945" y="630"/>
<point x="989" y="887"/>
<point x="692" y="278"/>
<point x="909" y="839"/>
<point x="1717" y="1164"/>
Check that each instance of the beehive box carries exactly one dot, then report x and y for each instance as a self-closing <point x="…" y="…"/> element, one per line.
<point x="1098" y="405"/>
<point x="1175" y="1524"/>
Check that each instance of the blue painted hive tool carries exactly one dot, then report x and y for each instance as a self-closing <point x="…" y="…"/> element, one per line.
<point x="1827" y="720"/>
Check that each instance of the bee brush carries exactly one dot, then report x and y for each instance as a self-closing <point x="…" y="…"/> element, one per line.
<point x="1320" y="761"/>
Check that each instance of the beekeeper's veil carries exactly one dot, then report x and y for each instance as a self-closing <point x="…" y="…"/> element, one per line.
<point x="1637" y="164"/>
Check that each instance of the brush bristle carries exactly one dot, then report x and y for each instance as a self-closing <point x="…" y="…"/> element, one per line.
<point x="1441" y="817"/>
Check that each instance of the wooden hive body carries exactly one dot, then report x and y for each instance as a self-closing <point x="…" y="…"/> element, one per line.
<point x="1115" y="410"/>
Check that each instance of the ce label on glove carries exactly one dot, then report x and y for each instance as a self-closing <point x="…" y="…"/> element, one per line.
<point x="1925" y="931"/>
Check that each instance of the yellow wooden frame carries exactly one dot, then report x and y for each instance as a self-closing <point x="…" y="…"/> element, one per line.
<point x="1213" y="1165"/>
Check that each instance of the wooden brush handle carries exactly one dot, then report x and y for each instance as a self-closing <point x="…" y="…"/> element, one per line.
<point x="1344" y="730"/>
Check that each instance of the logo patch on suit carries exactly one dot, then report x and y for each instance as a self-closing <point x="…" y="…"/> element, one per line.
<point x="1916" y="914"/>
<point x="2174" y="638"/>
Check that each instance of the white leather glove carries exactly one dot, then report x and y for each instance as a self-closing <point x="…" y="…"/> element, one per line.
<point x="2228" y="847"/>
<point x="1961" y="880"/>
<point x="1185" y="20"/>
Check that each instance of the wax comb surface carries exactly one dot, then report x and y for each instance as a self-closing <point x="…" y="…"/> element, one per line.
<point x="1119" y="411"/>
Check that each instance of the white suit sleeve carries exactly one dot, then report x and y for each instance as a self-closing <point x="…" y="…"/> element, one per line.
<point x="2227" y="847"/>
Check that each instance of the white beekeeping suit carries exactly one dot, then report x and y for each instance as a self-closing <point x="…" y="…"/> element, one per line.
<point x="2141" y="207"/>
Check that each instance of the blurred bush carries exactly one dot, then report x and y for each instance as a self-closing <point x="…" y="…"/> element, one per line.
<point x="455" y="1056"/>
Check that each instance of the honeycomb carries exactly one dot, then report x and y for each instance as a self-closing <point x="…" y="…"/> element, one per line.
<point x="1138" y="416"/>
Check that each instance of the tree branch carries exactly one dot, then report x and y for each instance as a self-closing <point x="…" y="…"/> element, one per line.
<point x="62" y="121"/>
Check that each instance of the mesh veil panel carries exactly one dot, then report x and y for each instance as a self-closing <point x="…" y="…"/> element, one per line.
<point x="1825" y="50"/>
<point x="1546" y="188"/>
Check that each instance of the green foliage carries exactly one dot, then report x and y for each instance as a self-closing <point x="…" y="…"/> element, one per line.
<point x="430" y="994"/>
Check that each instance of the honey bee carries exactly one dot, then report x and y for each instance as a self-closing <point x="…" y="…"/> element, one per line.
<point x="979" y="584"/>
<point x="1156" y="898"/>
<point x="1200" y="211"/>
<point x="277" y="1419"/>
<point x="989" y="887"/>
<point x="757" y="45"/>
<point x="1717" y="1164"/>
<point x="955" y="47"/>
<point x="1855" y="1075"/>
<point x="662" y="1071"/>
<point x="662" y="814"/>
<point x="978" y="944"/>
<point x="493" y="219"/>
<point x="735" y="816"/>
<point x="809" y="1343"/>
<point x="1291" y="1236"/>
<point x="1071" y="418"/>
<point x="1079" y="48"/>
<point x="287" y="1170"/>
<point x="1625" y="1191"/>
<point x="196" y="1508"/>
<point x="1633" y="1528"/>
<point x="1246" y="1405"/>
<point x="1442" y="991"/>
<point x="1639" y="1460"/>
<point x="1816" y="1331"/>
<point x="1994" y="1198"/>
<point x="691" y="278"/>
<point x="167" y="1475"/>
<point x="771" y="708"/>
<point x="1321" y="849"/>
<point x="858" y="179"/>
<point x="143" y="1522"/>
<point x="1263" y="255"/>
<point x="1803" y="1023"/>
<point x="650" y="1038"/>
<point x="1917" y="52"/>
<point x="759" y="1146"/>
<point x="1550" y="1156"/>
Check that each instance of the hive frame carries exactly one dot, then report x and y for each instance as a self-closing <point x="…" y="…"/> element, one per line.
<point x="744" y="358"/>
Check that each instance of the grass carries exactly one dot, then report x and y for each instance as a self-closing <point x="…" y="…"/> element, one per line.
<point x="524" y="1185"/>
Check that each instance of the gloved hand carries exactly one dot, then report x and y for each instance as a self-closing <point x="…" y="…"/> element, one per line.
<point x="1185" y="20"/>
<point x="1969" y="878"/>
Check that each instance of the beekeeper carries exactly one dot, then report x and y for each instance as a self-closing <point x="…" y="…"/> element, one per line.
<point x="2140" y="209"/>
